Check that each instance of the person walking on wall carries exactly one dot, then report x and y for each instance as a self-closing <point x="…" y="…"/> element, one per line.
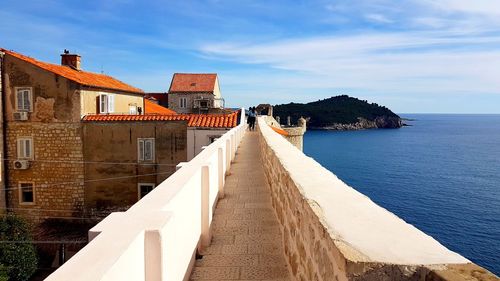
<point x="251" y="119"/>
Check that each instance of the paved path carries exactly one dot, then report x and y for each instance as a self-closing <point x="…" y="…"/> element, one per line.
<point x="246" y="242"/>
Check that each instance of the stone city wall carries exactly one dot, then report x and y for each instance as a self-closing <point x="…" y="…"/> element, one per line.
<point x="332" y="232"/>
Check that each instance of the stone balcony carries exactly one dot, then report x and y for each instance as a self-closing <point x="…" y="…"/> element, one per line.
<point x="251" y="206"/>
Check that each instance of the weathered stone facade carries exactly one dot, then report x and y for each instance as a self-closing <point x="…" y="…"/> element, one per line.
<point x="174" y="102"/>
<point x="53" y="124"/>
<point x="52" y="121"/>
<point x="296" y="134"/>
<point x="111" y="154"/>
<point x="200" y="93"/>
<point x="3" y="203"/>
<point x="56" y="170"/>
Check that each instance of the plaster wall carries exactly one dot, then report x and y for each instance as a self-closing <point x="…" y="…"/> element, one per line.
<point x="54" y="98"/>
<point x="111" y="151"/>
<point x="123" y="100"/>
<point x="217" y="94"/>
<point x="197" y="138"/>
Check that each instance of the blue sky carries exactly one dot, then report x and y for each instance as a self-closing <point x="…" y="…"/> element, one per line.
<point x="414" y="56"/>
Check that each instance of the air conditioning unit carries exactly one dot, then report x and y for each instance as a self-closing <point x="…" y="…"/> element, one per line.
<point x="20" y="116"/>
<point x="21" y="164"/>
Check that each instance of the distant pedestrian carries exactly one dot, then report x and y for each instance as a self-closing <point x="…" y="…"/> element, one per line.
<point x="253" y="115"/>
<point x="251" y="118"/>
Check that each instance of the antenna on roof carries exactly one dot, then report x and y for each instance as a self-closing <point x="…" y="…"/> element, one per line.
<point x="102" y="69"/>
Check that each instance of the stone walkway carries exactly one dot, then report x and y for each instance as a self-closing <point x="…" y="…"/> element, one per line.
<point x="246" y="242"/>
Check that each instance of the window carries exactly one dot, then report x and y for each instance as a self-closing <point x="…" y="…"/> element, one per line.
<point x="132" y="109"/>
<point x="25" y="148"/>
<point x="26" y="193"/>
<point x="23" y="99"/>
<point x="211" y="139"/>
<point x="106" y="103"/>
<point x="183" y="102"/>
<point x="204" y="104"/>
<point x="146" y="149"/>
<point x="145" y="188"/>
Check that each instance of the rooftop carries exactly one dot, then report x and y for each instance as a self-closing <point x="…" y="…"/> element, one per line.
<point x="153" y="108"/>
<point x="193" y="82"/>
<point x="194" y="120"/>
<point x="85" y="78"/>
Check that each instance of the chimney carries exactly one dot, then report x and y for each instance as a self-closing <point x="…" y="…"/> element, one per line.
<point x="71" y="60"/>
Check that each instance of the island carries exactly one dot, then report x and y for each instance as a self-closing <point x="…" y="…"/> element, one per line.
<point x="340" y="113"/>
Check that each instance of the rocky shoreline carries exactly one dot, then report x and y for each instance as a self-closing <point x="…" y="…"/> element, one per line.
<point x="381" y="122"/>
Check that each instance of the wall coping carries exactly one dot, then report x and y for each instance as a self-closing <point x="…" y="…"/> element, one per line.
<point x="156" y="238"/>
<point x="362" y="230"/>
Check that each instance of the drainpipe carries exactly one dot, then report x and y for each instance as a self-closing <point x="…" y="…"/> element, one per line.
<point x="3" y="163"/>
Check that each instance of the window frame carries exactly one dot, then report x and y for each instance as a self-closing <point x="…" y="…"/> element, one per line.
<point x="141" y="184"/>
<point x="141" y="156"/>
<point x="205" y="102"/>
<point x="30" y="98"/>
<point x="21" y="201"/>
<point x="106" y="103"/>
<point x="182" y="102"/>
<point x="23" y="156"/>
<point x="134" y="107"/>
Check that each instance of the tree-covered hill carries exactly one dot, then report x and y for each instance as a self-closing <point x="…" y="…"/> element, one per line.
<point x="340" y="112"/>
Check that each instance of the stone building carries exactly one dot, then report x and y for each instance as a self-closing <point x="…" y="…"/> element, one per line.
<point x="204" y="129"/>
<point x="44" y="105"/>
<point x="3" y="203"/>
<point x="80" y="144"/>
<point x="137" y="155"/>
<point x="195" y="93"/>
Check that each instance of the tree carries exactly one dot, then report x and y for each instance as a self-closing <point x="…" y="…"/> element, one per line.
<point x="18" y="256"/>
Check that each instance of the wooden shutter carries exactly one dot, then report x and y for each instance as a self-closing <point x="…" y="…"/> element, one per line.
<point x="140" y="148"/>
<point x="111" y="103"/>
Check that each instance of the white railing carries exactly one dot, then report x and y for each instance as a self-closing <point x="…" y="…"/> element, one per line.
<point x="157" y="238"/>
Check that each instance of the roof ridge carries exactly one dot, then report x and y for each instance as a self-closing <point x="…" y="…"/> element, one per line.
<point x="76" y="75"/>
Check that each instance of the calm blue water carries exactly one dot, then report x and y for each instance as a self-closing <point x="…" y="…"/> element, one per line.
<point x="441" y="175"/>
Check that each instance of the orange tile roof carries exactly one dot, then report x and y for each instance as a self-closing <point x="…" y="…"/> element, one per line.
<point x="153" y="108"/>
<point x="194" y="120"/>
<point x="280" y="131"/>
<point x="193" y="82"/>
<point x="81" y="77"/>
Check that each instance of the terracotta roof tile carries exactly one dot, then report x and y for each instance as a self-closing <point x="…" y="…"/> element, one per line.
<point x="194" y="120"/>
<point x="193" y="82"/>
<point x="81" y="77"/>
<point x="153" y="108"/>
<point x="280" y="131"/>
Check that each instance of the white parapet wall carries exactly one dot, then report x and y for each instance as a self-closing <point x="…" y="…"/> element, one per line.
<point x="333" y="232"/>
<point x="157" y="238"/>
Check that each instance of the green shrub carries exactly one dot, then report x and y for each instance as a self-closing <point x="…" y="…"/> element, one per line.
<point x="18" y="257"/>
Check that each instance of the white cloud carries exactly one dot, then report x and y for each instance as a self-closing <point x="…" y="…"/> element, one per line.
<point x="416" y="62"/>
<point x="479" y="7"/>
<point x="378" y="18"/>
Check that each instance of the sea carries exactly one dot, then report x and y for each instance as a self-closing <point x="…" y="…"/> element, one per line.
<point x="441" y="174"/>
